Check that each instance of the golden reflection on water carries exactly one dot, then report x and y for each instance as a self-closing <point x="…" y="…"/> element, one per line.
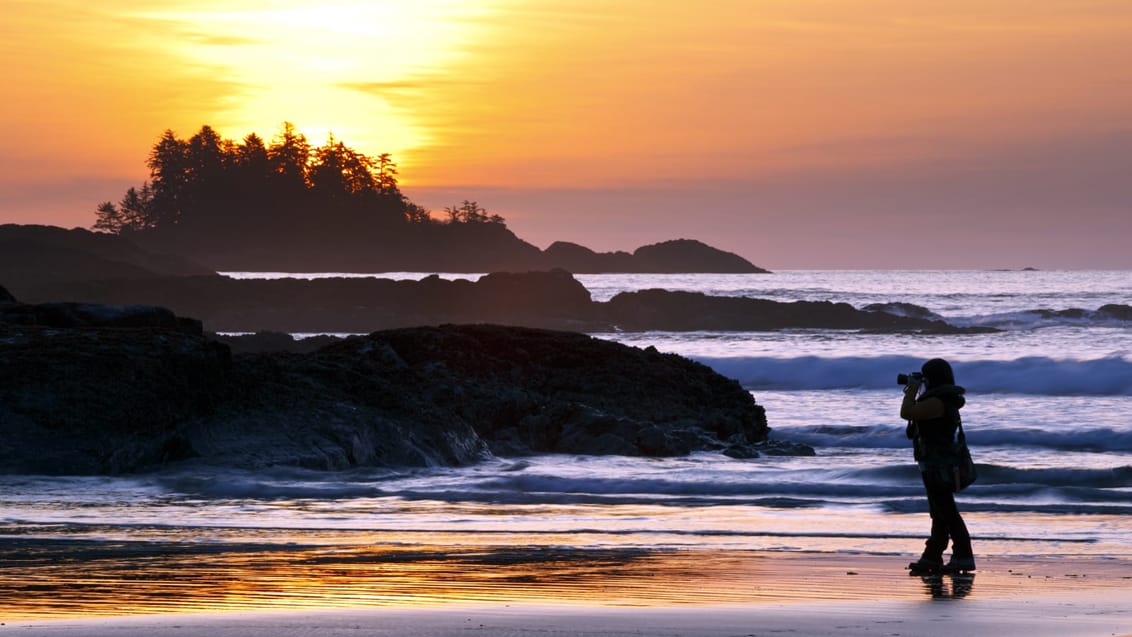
<point x="53" y="579"/>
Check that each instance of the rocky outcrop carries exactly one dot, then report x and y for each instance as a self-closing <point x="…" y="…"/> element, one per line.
<point x="553" y="300"/>
<point x="70" y="315"/>
<point x="687" y="255"/>
<point x="903" y="309"/>
<point x="315" y="243"/>
<point x="549" y="300"/>
<point x="681" y="255"/>
<point x="582" y="260"/>
<point x="689" y="311"/>
<point x="94" y="398"/>
<point x="31" y="256"/>
<point x="48" y="265"/>
<point x="1108" y="312"/>
<point x="266" y="341"/>
<point x="88" y="401"/>
<point x="531" y="390"/>
<point x="1115" y="312"/>
<point x="460" y="247"/>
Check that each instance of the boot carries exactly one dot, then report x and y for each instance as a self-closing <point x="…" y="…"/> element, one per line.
<point x="960" y="564"/>
<point x="925" y="566"/>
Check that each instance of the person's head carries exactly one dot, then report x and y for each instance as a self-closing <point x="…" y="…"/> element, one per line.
<point x="937" y="373"/>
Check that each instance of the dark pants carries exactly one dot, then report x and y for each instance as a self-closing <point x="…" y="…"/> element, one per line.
<point x="946" y="524"/>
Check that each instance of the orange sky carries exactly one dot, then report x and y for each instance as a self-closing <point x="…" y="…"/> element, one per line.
<point x="799" y="133"/>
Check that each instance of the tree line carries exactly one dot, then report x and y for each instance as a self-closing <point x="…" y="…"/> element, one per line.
<point x="206" y="184"/>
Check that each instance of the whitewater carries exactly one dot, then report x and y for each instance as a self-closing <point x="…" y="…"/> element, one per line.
<point x="1049" y="420"/>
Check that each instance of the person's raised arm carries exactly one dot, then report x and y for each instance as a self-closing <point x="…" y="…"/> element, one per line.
<point x="923" y="410"/>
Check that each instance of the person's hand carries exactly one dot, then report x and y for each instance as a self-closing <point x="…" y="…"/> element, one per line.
<point x="912" y="386"/>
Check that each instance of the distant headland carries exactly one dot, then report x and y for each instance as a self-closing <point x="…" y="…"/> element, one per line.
<point x="289" y="206"/>
<point x="45" y="265"/>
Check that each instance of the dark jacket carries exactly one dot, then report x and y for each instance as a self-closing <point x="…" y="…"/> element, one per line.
<point x="934" y="438"/>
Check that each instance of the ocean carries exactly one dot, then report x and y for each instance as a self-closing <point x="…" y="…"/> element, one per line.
<point x="1048" y="419"/>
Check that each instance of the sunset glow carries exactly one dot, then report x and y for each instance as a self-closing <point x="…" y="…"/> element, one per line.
<point x="562" y="115"/>
<point x="333" y="67"/>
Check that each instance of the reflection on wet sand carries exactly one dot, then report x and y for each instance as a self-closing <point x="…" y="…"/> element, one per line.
<point x="54" y="579"/>
<point x="950" y="586"/>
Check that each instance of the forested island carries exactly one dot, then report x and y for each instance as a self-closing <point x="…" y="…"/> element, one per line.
<point x="290" y="206"/>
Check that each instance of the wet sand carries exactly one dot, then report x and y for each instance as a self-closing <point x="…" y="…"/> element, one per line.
<point x="542" y="591"/>
<point x="1071" y="615"/>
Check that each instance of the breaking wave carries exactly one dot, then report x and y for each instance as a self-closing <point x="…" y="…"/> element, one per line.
<point x="1109" y="376"/>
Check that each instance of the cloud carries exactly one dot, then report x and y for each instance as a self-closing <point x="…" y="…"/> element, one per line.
<point x="419" y="83"/>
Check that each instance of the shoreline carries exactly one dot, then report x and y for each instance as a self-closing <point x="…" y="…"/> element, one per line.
<point x="689" y="592"/>
<point x="1075" y="614"/>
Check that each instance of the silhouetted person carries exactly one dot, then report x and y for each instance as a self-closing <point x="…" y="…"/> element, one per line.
<point x="933" y="418"/>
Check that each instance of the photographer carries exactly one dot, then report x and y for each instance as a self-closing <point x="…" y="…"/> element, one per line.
<point x="933" y="417"/>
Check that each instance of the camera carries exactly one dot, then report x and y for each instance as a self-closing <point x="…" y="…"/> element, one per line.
<point x="902" y="379"/>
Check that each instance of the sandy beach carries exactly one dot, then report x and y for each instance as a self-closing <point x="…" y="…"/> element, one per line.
<point x="1073" y="615"/>
<point x="736" y="594"/>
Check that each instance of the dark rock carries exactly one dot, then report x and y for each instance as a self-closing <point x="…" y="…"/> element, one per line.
<point x="565" y="254"/>
<point x="125" y="399"/>
<point x="5" y="296"/>
<point x="364" y="244"/>
<point x="80" y="267"/>
<point x="580" y="259"/>
<point x="1115" y="311"/>
<point x="273" y="342"/>
<point x="72" y="315"/>
<point x="742" y="452"/>
<point x="534" y="391"/>
<point x="784" y="448"/>
<point x="687" y="255"/>
<point x="453" y="247"/>
<point x="88" y="315"/>
<point x="551" y="299"/>
<point x="1071" y="313"/>
<point x="527" y="298"/>
<point x="689" y="311"/>
<point x="31" y="256"/>
<point x="681" y="255"/>
<point x="101" y="400"/>
<point x="903" y="309"/>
